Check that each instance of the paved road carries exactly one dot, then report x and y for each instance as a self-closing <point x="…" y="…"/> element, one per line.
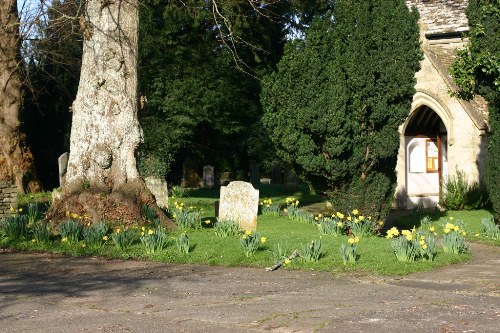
<point x="48" y="293"/>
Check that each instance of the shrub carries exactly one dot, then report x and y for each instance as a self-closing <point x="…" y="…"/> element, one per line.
<point x="182" y="243"/>
<point x="153" y="240"/>
<point x="459" y="194"/>
<point x="311" y="251"/>
<point x="250" y="242"/>
<point x="454" y="238"/>
<point x="41" y="232"/>
<point x="348" y="251"/>
<point x="124" y="238"/>
<point x="71" y="231"/>
<point x="490" y="228"/>
<point x="15" y="227"/>
<point x="95" y="234"/>
<point x="186" y="217"/>
<point x="224" y="228"/>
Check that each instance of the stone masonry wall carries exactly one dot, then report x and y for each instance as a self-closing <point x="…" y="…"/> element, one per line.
<point x="8" y="197"/>
<point x="442" y="16"/>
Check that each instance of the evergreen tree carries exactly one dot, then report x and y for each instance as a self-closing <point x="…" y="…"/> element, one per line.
<point x="334" y="106"/>
<point x="477" y="71"/>
<point x="199" y="77"/>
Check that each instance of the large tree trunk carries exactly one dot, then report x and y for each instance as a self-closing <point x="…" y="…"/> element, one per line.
<point x="16" y="161"/>
<point x="102" y="180"/>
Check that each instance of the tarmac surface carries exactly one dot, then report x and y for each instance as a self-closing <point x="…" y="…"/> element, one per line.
<point x="53" y="293"/>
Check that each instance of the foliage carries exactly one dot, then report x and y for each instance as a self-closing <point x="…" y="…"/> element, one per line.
<point x="182" y="243"/>
<point x="312" y="251"/>
<point x="149" y="213"/>
<point x="477" y="71"/>
<point x="454" y="238"/>
<point x="360" y="225"/>
<point x="41" y="232"/>
<point x="334" y="106"/>
<point x="14" y="226"/>
<point x="490" y="228"/>
<point x="348" y="251"/>
<point x="95" y="235"/>
<point x="154" y="240"/>
<point x="200" y="98"/>
<point x="460" y="194"/>
<point x="178" y="192"/>
<point x="405" y="246"/>
<point x="224" y="228"/>
<point x="330" y="225"/>
<point x="71" y="231"/>
<point x="250" y="241"/>
<point x="33" y="213"/>
<point x="186" y="217"/>
<point x="123" y="238"/>
<point x="268" y="208"/>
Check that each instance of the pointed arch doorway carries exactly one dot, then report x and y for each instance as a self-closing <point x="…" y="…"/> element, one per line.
<point x="425" y="139"/>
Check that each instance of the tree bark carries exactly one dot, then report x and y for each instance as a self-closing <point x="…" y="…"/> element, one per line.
<point x="102" y="180"/>
<point x="16" y="160"/>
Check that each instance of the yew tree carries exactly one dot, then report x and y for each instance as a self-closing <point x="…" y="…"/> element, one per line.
<point x="16" y="160"/>
<point x="334" y="105"/>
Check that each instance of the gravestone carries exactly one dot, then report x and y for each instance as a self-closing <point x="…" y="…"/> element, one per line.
<point x="159" y="189"/>
<point x="291" y="179"/>
<point x="208" y="176"/>
<point x="62" y="163"/>
<point x="254" y="174"/>
<point x="239" y="202"/>
<point x="190" y="176"/>
<point x="276" y="175"/>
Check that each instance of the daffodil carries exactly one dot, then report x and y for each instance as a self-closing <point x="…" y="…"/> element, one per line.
<point x="340" y="215"/>
<point x="355" y="212"/>
<point x="431" y="228"/>
<point x="263" y="240"/>
<point x="150" y="232"/>
<point x="287" y="261"/>
<point x="248" y="232"/>
<point x="105" y="238"/>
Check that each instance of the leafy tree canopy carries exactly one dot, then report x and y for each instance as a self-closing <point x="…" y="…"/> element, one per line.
<point x="335" y="103"/>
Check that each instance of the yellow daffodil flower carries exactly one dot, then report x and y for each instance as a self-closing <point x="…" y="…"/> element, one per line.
<point x="263" y="240"/>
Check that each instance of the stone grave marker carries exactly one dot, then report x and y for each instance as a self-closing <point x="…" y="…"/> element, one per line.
<point x="208" y="176"/>
<point x="239" y="202"/>
<point x="190" y="176"/>
<point x="159" y="189"/>
<point x="62" y="163"/>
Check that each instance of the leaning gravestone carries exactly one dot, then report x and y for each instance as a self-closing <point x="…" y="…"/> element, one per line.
<point x="208" y="176"/>
<point x="239" y="202"/>
<point x="159" y="189"/>
<point x="62" y="163"/>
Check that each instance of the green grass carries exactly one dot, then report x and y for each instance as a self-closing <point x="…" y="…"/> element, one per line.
<point x="375" y="253"/>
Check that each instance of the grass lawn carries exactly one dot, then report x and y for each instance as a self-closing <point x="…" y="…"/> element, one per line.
<point x="375" y="253"/>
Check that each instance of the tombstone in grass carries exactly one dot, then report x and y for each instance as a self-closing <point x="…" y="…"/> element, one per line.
<point x="291" y="179"/>
<point x="239" y="202"/>
<point x="254" y="174"/>
<point x="276" y="175"/>
<point x="190" y="176"/>
<point x="208" y="176"/>
<point x="62" y="163"/>
<point x="159" y="189"/>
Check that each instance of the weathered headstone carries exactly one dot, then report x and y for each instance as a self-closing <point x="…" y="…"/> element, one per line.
<point x="254" y="174"/>
<point x="190" y="176"/>
<point x="208" y="176"/>
<point x="291" y="179"/>
<point x="62" y="163"/>
<point x="239" y="202"/>
<point x="159" y="189"/>
<point x="276" y="175"/>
